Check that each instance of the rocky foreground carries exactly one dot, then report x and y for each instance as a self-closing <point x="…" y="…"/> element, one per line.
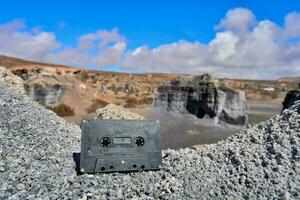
<point x="37" y="147"/>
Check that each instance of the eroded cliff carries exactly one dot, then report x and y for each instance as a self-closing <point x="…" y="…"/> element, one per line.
<point x="203" y="97"/>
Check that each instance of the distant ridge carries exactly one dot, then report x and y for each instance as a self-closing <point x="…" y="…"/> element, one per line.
<point x="289" y="79"/>
<point x="10" y="62"/>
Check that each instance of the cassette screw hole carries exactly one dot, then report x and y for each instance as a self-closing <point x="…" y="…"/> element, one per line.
<point x="139" y="141"/>
<point x="134" y="166"/>
<point x="111" y="167"/>
<point x="143" y="166"/>
<point x="102" y="168"/>
<point x="105" y="142"/>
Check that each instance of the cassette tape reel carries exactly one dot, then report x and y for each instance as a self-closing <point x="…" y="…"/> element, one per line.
<point x="119" y="145"/>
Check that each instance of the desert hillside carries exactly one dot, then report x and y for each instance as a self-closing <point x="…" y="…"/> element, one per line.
<point x="10" y="62"/>
<point x="74" y="92"/>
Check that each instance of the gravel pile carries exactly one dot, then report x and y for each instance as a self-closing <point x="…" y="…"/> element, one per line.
<point x="112" y="111"/>
<point x="36" y="149"/>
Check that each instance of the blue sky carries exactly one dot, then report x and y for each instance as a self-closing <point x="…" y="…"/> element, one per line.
<point x="152" y="23"/>
<point x="143" y="22"/>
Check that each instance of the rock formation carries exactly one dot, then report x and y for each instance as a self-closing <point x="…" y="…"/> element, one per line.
<point x="44" y="87"/>
<point x="291" y="97"/>
<point x="8" y="77"/>
<point x="203" y="97"/>
<point x="45" y="94"/>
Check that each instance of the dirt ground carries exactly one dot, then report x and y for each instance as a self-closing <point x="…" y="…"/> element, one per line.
<point x="179" y="131"/>
<point x="259" y="111"/>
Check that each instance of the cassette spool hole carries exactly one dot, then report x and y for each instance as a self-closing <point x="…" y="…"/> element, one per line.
<point x="143" y="166"/>
<point x="102" y="168"/>
<point x="105" y="142"/>
<point x="134" y="166"/>
<point x="139" y="141"/>
<point x="111" y="167"/>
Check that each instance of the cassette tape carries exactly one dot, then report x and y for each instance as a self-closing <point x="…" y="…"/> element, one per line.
<point x="119" y="145"/>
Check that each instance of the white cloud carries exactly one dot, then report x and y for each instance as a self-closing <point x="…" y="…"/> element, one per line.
<point x="15" y="40"/>
<point x="238" y="20"/>
<point x="292" y="25"/>
<point x="223" y="47"/>
<point x="103" y="48"/>
<point x="176" y="57"/>
<point x="243" y="47"/>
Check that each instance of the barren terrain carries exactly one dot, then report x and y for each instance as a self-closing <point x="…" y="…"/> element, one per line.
<point x="74" y="94"/>
<point x="37" y="160"/>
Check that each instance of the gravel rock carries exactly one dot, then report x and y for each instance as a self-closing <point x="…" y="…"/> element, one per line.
<point x="262" y="162"/>
<point x="112" y="111"/>
<point x="21" y="186"/>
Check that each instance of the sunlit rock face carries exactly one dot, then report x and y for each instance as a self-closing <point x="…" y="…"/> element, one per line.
<point x="203" y="97"/>
<point x="47" y="95"/>
<point x="291" y="97"/>
<point x="231" y="106"/>
<point x="42" y="86"/>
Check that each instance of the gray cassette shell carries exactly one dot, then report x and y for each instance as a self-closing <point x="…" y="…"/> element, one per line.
<point x="119" y="150"/>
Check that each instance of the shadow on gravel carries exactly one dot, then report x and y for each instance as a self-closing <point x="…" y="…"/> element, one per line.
<point x="76" y="158"/>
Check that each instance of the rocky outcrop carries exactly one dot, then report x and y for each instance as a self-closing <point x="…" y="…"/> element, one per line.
<point x="231" y="106"/>
<point x="291" y="97"/>
<point x="42" y="86"/>
<point x="8" y="77"/>
<point x="203" y="97"/>
<point x="45" y="94"/>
